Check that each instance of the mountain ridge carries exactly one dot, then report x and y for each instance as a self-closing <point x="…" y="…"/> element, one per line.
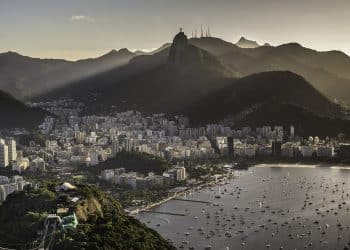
<point x="190" y="73"/>
<point x="18" y="72"/>
<point x="285" y="99"/>
<point x="102" y="222"/>
<point x="324" y="70"/>
<point x="187" y="78"/>
<point x="193" y="76"/>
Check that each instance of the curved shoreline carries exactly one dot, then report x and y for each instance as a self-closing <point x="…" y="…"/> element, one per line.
<point x="258" y="165"/>
<point x="176" y="195"/>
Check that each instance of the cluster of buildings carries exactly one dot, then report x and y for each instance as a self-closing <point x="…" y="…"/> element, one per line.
<point x="74" y="140"/>
<point x="89" y="140"/>
<point x="8" y="152"/>
<point x="268" y="141"/>
<point x="10" y="185"/>
<point x="11" y="157"/>
<point x="135" y="180"/>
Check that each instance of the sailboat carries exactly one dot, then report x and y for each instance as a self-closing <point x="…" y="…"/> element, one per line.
<point x="218" y="196"/>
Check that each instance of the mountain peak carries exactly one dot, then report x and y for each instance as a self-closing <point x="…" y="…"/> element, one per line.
<point x="177" y="49"/>
<point x="180" y="39"/>
<point x="245" y="43"/>
<point x="124" y="50"/>
<point x="242" y="39"/>
<point x="115" y="52"/>
<point x="11" y="53"/>
<point x="291" y="47"/>
<point x="112" y="51"/>
<point x="294" y="44"/>
<point x="112" y="54"/>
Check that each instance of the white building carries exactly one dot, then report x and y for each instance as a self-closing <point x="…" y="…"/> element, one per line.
<point x="177" y="173"/>
<point x="287" y="151"/>
<point x="38" y="164"/>
<point x="4" y="154"/>
<point x="11" y="143"/>
<point x="107" y="174"/>
<point x="249" y="151"/>
<point x="325" y="151"/>
<point x="292" y="131"/>
<point x="306" y="151"/>
<point x="92" y="158"/>
<point x="20" y="165"/>
<point x="17" y="183"/>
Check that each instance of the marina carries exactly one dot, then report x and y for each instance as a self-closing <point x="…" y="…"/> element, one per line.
<point x="268" y="206"/>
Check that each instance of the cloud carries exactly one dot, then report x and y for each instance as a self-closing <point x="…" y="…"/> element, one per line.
<point x="82" y="18"/>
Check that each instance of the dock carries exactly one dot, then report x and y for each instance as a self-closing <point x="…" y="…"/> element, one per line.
<point x="189" y="200"/>
<point x="168" y="213"/>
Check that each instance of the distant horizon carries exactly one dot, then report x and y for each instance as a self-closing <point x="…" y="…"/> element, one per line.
<point x="86" y="28"/>
<point x="101" y="52"/>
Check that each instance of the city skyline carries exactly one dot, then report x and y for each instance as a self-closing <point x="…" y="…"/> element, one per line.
<point x="191" y="124"/>
<point x="82" y="29"/>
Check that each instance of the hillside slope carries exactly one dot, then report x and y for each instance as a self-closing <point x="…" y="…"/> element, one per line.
<point x="25" y="77"/>
<point x="328" y="72"/>
<point x="305" y="122"/>
<point x="190" y="80"/>
<point x="15" y="114"/>
<point x="245" y="102"/>
<point x="161" y="82"/>
<point x="102" y="222"/>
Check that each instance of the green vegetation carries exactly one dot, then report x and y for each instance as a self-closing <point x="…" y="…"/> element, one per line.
<point x="102" y="222"/>
<point x="35" y="136"/>
<point x="126" y="195"/>
<point x="134" y="161"/>
<point x="207" y="169"/>
<point x="22" y="215"/>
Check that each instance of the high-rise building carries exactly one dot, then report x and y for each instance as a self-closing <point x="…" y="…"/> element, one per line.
<point x="180" y="173"/>
<point x="291" y="131"/>
<point x="230" y="146"/>
<point x="115" y="148"/>
<point x="79" y="136"/>
<point x="47" y="144"/>
<point x="4" y="155"/>
<point x="276" y="148"/>
<point x="12" y="152"/>
<point x="344" y="151"/>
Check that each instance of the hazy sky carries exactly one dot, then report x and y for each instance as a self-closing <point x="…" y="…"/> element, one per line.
<point x="86" y="28"/>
